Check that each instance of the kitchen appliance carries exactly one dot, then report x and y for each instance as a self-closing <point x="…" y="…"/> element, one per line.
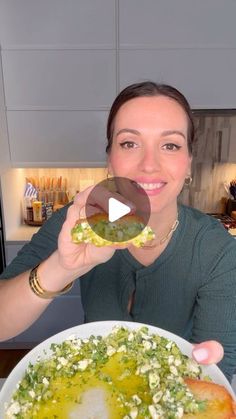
<point x="2" y="248"/>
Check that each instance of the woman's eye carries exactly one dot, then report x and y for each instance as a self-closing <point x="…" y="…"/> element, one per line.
<point x="128" y="144"/>
<point x="171" y="147"/>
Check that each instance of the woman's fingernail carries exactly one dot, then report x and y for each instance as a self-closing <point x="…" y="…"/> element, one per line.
<point x="200" y="354"/>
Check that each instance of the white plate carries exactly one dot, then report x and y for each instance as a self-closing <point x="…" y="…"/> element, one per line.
<point x="98" y="328"/>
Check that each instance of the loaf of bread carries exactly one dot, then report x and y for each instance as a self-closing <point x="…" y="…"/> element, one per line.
<point x="219" y="403"/>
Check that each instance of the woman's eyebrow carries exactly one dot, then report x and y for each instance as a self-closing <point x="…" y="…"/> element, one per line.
<point x="130" y="130"/>
<point x="164" y="133"/>
<point x="171" y="132"/>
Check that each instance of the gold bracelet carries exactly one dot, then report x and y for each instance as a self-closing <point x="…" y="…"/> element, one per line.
<point x="38" y="289"/>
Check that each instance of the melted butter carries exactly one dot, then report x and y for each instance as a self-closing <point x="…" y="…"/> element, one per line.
<point x="71" y="393"/>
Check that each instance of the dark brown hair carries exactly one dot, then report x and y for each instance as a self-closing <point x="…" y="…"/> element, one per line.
<point x="149" y="88"/>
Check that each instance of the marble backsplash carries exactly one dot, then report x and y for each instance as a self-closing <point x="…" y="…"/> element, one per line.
<point x="207" y="189"/>
<point x="210" y="170"/>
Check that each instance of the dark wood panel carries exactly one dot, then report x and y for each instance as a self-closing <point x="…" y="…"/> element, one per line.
<point x="9" y="358"/>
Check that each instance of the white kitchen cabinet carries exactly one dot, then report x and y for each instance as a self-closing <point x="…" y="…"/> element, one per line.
<point x="188" y="44"/>
<point x="57" y="24"/>
<point x="11" y="251"/>
<point x="57" y="138"/>
<point x="183" y="24"/>
<point x="59" y="79"/>
<point x="64" y="312"/>
<point x="59" y="68"/>
<point x="205" y="76"/>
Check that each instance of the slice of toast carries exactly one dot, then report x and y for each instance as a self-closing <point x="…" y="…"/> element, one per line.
<point x="99" y="231"/>
<point x="220" y="404"/>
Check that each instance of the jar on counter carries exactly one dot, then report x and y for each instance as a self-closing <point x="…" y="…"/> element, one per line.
<point x="37" y="211"/>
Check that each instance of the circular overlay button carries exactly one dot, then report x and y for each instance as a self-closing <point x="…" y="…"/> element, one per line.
<point x="120" y="197"/>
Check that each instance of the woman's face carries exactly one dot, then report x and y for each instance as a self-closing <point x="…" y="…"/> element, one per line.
<point x="150" y="147"/>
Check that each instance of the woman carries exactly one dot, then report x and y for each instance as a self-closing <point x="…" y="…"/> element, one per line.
<point x="183" y="282"/>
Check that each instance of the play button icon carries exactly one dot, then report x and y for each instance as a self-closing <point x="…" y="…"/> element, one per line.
<point x="112" y="196"/>
<point x="116" y="209"/>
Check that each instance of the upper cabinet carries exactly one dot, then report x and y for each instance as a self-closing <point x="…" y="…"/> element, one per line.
<point x="184" y="24"/>
<point x="43" y="24"/>
<point x="189" y="44"/>
<point x="63" y="62"/>
<point x="59" y="79"/>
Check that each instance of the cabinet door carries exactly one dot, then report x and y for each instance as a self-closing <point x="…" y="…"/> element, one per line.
<point x="53" y="23"/>
<point x="57" y="138"/>
<point x="59" y="79"/>
<point x="188" y="44"/>
<point x="11" y="251"/>
<point x="64" y="312"/>
<point x="176" y="24"/>
<point x="197" y="73"/>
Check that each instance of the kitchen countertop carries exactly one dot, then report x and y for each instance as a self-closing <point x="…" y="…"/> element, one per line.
<point x="22" y="234"/>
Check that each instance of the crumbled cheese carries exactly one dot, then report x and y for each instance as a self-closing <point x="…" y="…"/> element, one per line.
<point x="143" y="369"/>
<point x="63" y="361"/>
<point x="169" y="345"/>
<point x="153" y="380"/>
<point x="14" y="409"/>
<point x="157" y="397"/>
<point x="133" y="413"/>
<point x="147" y="345"/>
<point x="173" y="370"/>
<point x="32" y="394"/>
<point x="136" y="399"/>
<point x="180" y="412"/>
<point x="145" y="336"/>
<point x="171" y="359"/>
<point x="110" y="350"/>
<point x="45" y="381"/>
<point x="82" y="365"/>
<point x="131" y="337"/>
<point x="153" y="412"/>
<point x="122" y="348"/>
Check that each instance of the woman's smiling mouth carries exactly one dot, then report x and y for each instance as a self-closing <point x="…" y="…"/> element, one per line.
<point x="150" y="188"/>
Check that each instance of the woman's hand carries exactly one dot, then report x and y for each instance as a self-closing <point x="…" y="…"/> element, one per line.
<point x="75" y="256"/>
<point x="208" y="352"/>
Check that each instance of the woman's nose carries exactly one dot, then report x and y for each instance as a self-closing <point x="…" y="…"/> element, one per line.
<point x="150" y="161"/>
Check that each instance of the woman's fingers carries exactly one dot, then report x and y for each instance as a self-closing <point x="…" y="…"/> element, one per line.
<point x="88" y="211"/>
<point x="208" y="352"/>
